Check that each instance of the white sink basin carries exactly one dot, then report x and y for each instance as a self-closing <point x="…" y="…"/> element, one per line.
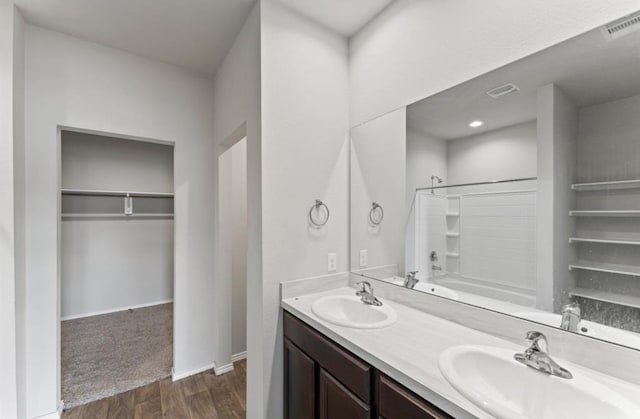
<point x="491" y="379"/>
<point x="350" y="311"/>
<point x="587" y="328"/>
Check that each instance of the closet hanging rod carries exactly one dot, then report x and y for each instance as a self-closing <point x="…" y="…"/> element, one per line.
<point x="91" y="192"/>
<point x="491" y="182"/>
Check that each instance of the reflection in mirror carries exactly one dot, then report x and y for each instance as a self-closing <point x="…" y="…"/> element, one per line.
<point x="517" y="191"/>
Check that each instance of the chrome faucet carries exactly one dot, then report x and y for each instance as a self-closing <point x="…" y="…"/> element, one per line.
<point x="410" y="280"/>
<point x="366" y="294"/>
<point x="570" y="317"/>
<point x="536" y="356"/>
<point x="434" y="258"/>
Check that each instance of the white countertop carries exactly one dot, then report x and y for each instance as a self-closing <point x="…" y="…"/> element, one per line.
<point x="408" y="351"/>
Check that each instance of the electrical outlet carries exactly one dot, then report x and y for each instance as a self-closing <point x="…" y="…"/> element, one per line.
<point x="364" y="258"/>
<point x="332" y="264"/>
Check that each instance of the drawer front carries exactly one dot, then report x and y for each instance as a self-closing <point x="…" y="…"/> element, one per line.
<point x="396" y="402"/>
<point x="349" y="370"/>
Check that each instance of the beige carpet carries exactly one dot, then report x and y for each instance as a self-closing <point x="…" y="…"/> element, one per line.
<point x="113" y="353"/>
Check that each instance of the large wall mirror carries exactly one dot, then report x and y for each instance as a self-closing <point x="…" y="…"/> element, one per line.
<point x="517" y="191"/>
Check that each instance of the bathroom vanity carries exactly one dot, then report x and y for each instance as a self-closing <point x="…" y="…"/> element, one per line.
<point x="343" y="358"/>
<point x="324" y="380"/>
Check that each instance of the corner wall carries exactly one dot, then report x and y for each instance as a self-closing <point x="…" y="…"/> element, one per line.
<point x="75" y="83"/>
<point x="8" y="387"/>
<point x="305" y="123"/>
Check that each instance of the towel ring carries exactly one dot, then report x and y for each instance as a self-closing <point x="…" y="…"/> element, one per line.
<point x="376" y="214"/>
<point x="315" y="211"/>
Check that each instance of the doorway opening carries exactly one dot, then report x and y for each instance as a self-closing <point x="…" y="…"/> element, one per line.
<point x="117" y="259"/>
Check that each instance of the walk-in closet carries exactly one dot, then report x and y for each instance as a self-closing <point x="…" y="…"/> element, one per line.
<point x="117" y="258"/>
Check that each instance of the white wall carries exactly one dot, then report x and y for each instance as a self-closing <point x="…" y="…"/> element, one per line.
<point x="110" y="264"/>
<point x="557" y="137"/>
<point x="100" y="162"/>
<point x="8" y="391"/>
<point x="426" y="156"/>
<point x="378" y="173"/>
<point x="618" y="123"/>
<point x="416" y="48"/>
<point x="305" y="122"/>
<point x="506" y="153"/>
<point x="71" y="82"/>
<point x="19" y="205"/>
<point x="236" y="115"/>
<point x="239" y="253"/>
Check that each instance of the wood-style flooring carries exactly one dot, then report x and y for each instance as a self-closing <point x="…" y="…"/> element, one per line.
<point x="203" y="396"/>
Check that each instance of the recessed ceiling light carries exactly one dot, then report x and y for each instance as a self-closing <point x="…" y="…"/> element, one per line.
<point x="476" y="124"/>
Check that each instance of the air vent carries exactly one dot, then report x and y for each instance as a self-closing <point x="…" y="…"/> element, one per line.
<point x="501" y="91"/>
<point x="622" y="27"/>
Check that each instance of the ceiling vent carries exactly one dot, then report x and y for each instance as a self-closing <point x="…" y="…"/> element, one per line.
<point x="501" y="91"/>
<point x="622" y="27"/>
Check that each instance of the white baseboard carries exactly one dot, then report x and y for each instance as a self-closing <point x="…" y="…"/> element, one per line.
<point x="52" y="415"/>
<point x="223" y="369"/>
<point x="115" y="310"/>
<point x="180" y="375"/>
<point x="239" y="356"/>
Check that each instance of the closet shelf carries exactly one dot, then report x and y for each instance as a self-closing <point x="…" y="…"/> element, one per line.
<point x="452" y="214"/>
<point x="604" y="213"/>
<point x="602" y="240"/>
<point x="453" y="234"/>
<point x="607" y="297"/>
<point x="96" y="192"/>
<point x="114" y="215"/>
<point x="597" y="186"/>
<point x="606" y="267"/>
<point x="453" y="255"/>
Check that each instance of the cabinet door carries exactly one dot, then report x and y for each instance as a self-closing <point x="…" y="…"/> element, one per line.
<point x="337" y="402"/>
<point x="299" y="381"/>
<point x="396" y="402"/>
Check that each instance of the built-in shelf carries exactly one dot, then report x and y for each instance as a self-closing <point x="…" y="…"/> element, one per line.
<point x="107" y="215"/>
<point x="607" y="267"/>
<point x="453" y="234"/>
<point x="604" y="241"/>
<point x="99" y="192"/>
<point x="453" y="255"/>
<point x="616" y="184"/>
<point x="608" y="297"/>
<point x="604" y="213"/>
<point x="452" y="214"/>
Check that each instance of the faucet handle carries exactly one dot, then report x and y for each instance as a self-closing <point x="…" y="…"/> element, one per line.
<point x="572" y="308"/>
<point x="412" y="274"/>
<point x="537" y="341"/>
<point x="364" y="286"/>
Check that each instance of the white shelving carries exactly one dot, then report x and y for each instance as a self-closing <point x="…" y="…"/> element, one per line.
<point x="100" y="192"/>
<point x="608" y="297"/>
<point x="604" y="213"/>
<point x="450" y="234"/>
<point x="453" y="255"/>
<point x="603" y="241"/>
<point x="606" y="267"/>
<point x="597" y="186"/>
<point x="452" y="214"/>
<point x="116" y="215"/>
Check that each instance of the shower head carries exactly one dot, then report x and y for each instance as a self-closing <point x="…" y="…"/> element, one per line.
<point x="438" y="178"/>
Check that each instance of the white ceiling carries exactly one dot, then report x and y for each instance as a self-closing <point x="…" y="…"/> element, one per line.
<point x="589" y="68"/>
<point x="195" y="34"/>
<point x="345" y="17"/>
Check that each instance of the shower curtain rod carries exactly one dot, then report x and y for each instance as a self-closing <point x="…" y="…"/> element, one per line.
<point x="491" y="182"/>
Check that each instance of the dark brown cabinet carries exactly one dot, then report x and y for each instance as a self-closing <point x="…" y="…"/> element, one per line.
<point x="325" y="381"/>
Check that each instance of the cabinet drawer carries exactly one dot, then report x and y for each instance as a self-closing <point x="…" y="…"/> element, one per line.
<point x="349" y="370"/>
<point x="337" y="402"/>
<point x="396" y="402"/>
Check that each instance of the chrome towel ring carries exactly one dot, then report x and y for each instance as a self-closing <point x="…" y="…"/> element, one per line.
<point x="376" y="214"/>
<point x="318" y="214"/>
